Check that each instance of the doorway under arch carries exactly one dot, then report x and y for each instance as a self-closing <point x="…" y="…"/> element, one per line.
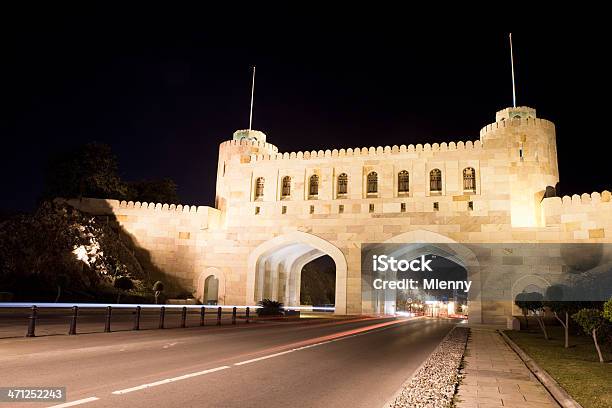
<point x="211" y="290"/>
<point x="318" y="282"/>
<point x="418" y="243"/>
<point x="210" y="286"/>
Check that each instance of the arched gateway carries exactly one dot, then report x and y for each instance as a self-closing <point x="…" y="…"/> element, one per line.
<point x="274" y="268"/>
<point x="412" y="245"/>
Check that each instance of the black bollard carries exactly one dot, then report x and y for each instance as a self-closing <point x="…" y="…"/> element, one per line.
<point x="162" y="317"/>
<point x="109" y="311"/>
<point x="137" y="319"/>
<point x="73" y="322"/>
<point x="248" y="312"/>
<point x="234" y="315"/>
<point x="183" y="317"/>
<point x="202" y="315"/>
<point x="32" y="323"/>
<point x="219" y="311"/>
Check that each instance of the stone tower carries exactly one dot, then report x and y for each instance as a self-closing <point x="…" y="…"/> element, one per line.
<point x="243" y="145"/>
<point x="529" y="162"/>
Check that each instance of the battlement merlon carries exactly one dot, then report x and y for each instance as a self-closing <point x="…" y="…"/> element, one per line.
<point x="519" y="112"/>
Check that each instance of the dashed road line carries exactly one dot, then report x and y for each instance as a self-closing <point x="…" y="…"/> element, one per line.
<point x="169" y="380"/>
<point x="264" y="357"/>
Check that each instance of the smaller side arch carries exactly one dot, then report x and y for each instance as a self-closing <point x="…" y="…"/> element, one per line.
<point x="201" y="282"/>
<point x="523" y="283"/>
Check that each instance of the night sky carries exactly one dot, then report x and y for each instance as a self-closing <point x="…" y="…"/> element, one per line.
<point x="165" y="91"/>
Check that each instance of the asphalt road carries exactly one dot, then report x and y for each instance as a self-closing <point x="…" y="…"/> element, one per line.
<point x="356" y="363"/>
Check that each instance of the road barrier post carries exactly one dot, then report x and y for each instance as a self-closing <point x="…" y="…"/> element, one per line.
<point x="32" y="323"/>
<point x="248" y="311"/>
<point x="202" y="315"/>
<point x="234" y="315"/>
<point x="162" y="316"/>
<point x="219" y="311"/>
<point x="137" y="319"/>
<point x="107" y="325"/>
<point x="73" y="322"/>
<point x="183" y="317"/>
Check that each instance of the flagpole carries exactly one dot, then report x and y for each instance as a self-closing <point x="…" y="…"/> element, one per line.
<point x="512" y="65"/>
<point x="252" y="94"/>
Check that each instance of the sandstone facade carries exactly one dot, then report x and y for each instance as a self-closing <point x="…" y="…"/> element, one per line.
<point x="275" y="211"/>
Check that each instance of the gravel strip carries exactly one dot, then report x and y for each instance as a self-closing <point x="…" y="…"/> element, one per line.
<point x="434" y="384"/>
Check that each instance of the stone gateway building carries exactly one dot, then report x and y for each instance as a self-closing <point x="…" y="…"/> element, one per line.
<point x="276" y="212"/>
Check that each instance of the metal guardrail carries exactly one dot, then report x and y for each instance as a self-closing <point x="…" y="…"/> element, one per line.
<point x="137" y="312"/>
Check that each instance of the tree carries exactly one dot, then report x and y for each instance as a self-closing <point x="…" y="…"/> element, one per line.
<point x="521" y="303"/>
<point x="87" y="171"/>
<point x="123" y="284"/>
<point x="61" y="281"/>
<point x="591" y="320"/>
<point x="532" y="302"/>
<point x="558" y="301"/>
<point x="154" y="191"/>
<point x="607" y="311"/>
<point x="57" y="239"/>
<point x="269" y="308"/>
<point x="158" y="288"/>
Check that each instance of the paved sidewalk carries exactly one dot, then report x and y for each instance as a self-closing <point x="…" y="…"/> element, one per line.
<point x="496" y="377"/>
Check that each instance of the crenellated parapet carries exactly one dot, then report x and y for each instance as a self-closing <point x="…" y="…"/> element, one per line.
<point x="163" y="207"/>
<point x="559" y="205"/>
<point x="371" y="151"/>
<point x="586" y="216"/>
<point x="516" y="123"/>
<point x="250" y="143"/>
<point x="121" y="209"/>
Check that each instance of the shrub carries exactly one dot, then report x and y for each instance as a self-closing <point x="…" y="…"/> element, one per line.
<point x="123" y="284"/>
<point x="269" y="308"/>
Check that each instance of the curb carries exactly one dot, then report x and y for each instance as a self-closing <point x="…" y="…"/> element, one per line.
<point x="549" y="383"/>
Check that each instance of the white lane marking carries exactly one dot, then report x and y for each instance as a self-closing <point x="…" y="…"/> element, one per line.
<point x="170" y="345"/>
<point x="265" y="357"/>
<point x="77" y="402"/>
<point x="169" y="380"/>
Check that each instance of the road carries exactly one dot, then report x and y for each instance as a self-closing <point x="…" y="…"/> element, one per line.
<point x="332" y="363"/>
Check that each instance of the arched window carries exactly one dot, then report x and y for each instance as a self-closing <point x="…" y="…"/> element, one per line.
<point x="469" y="179"/>
<point x="435" y="181"/>
<point x="286" y="187"/>
<point x="313" y="186"/>
<point x="372" y="185"/>
<point x="342" y="184"/>
<point x="259" y="188"/>
<point x="403" y="182"/>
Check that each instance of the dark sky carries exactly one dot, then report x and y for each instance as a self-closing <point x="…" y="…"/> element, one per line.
<point x="165" y="91"/>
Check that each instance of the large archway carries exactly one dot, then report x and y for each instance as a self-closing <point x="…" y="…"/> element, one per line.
<point x="274" y="268"/>
<point x="427" y="243"/>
